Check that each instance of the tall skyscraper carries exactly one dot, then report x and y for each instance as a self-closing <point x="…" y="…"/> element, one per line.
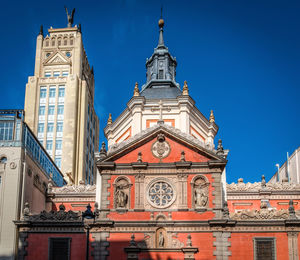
<point x="59" y="102"/>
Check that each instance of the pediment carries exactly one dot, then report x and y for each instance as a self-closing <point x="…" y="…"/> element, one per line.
<point x="154" y="150"/>
<point x="57" y="58"/>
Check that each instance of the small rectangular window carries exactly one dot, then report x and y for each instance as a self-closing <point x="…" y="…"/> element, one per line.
<point x="41" y="128"/>
<point x="59" y="248"/>
<point x="6" y="131"/>
<point x="65" y="73"/>
<point x="61" y="92"/>
<point x="52" y="93"/>
<point x="58" y="162"/>
<point x="41" y="141"/>
<point x="160" y="74"/>
<point x="43" y="93"/>
<point x="50" y="127"/>
<point x="60" y="110"/>
<point x="58" y="145"/>
<point x="59" y="126"/>
<point x="264" y="248"/>
<point x="51" y="110"/>
<point x="56" y="73"/>
<point x="49" y="145"/>
<point x="42" y="110"/>
<point x="48" y="74"/>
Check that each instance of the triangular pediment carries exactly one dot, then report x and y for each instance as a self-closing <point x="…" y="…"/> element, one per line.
<point x="166" y="150"/>
<point x="57" y="58"/>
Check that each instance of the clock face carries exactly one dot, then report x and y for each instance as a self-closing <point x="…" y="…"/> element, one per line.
<point x="48" y="54"/>
<point x="68" y="54"/>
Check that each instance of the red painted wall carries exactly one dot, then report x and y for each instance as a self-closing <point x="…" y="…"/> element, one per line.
<point x="242" y="245"/>
<point x="39" y="245"/>
<point x="174" y="155"/>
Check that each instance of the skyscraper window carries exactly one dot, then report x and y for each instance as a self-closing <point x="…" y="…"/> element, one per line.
<point x="42" y="110"/>
<point x="52" y="93"/>
<point x="50" y="127"/>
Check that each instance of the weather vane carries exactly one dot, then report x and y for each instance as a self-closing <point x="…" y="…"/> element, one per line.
<point x="70" y="17"/>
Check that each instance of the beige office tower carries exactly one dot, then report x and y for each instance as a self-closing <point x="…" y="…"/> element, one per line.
<point x="59" y="103"/>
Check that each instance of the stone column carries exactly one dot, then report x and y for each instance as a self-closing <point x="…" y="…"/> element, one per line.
<point x="139" y="191"/>
<point x="293" y="245"/>
<point x="182" y="191"/>
<point x="99" y="245"/>
<point x="222" y="245"/>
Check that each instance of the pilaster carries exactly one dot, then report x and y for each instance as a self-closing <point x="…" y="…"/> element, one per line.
<point x="221" y="244"/>
<point x="293" y="245"/>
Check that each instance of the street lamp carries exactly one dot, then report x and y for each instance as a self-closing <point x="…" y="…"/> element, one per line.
<point x="277" y="165"/>
<point x="88" y="214"/>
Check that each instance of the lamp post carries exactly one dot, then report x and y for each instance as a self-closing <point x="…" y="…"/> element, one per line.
<point x="88" y="214"/>
<point x="277" y="165"/>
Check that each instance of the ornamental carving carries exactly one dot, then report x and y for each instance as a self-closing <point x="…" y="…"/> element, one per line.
<point x="257" y="186"/>
<point x="56" y="216"/>
<point x="121" y="193"/>
<point x="161" y="148"/>
<point x="161" y="194"/>
<point x="261" y="214"/>
<point x="81" y="188"/>
<point x="200" y="191"/>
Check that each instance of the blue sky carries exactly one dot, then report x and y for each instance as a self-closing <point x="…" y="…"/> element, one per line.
<point x="240" y="58"/>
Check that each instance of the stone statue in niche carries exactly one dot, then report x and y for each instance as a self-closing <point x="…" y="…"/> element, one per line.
<point x="121" y="193"/>
<point x="200" y="193"/>
<point x="161" y="239"/>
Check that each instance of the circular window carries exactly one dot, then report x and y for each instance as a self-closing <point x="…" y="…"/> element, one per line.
<point x="161" y="194"/>
<point x="3" y="159"/>
<point x="68" y="54"/>
<point x="48" y="54"/>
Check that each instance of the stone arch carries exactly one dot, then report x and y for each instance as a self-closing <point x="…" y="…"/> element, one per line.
<point x="59" y="41"/>
<point x="47" y="42"/>
<point x="65" y="41"/>
<point x="53" y="41"/>
<point x="122" y="189"/>
<point x="161" y="217"/>
<point x="200" y="192"/>
<point x="71" y="40"/>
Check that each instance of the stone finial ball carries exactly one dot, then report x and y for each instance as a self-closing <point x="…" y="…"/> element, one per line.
<point x="161" y="23"/>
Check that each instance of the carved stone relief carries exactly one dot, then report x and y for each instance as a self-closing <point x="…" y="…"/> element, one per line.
<point x="161" y="148"/>
<point x="161" y="238"/>
<point x="121" y="193"/>
<point x="200" y="191"/>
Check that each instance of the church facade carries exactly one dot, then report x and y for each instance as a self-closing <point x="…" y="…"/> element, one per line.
<point x="161" y="190"/>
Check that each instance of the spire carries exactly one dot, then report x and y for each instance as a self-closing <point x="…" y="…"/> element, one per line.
<point x="185" y="89"/>
<point x="136" y="91"/>
<point x="161" y="36"/>
<point x="41" y="31"/>
<point x="211" y="117"/>
<point x="161" y="24"/>
<point x="161" y="72"/>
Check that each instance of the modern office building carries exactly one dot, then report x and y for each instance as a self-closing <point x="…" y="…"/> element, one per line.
<point x="25" y="173"/>
<point x="289" y="171"/>
<point x="59" y="102"/>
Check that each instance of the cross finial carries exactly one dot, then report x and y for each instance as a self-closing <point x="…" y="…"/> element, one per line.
<point x="160" y="109"/>
<point x="161" y="11"/>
